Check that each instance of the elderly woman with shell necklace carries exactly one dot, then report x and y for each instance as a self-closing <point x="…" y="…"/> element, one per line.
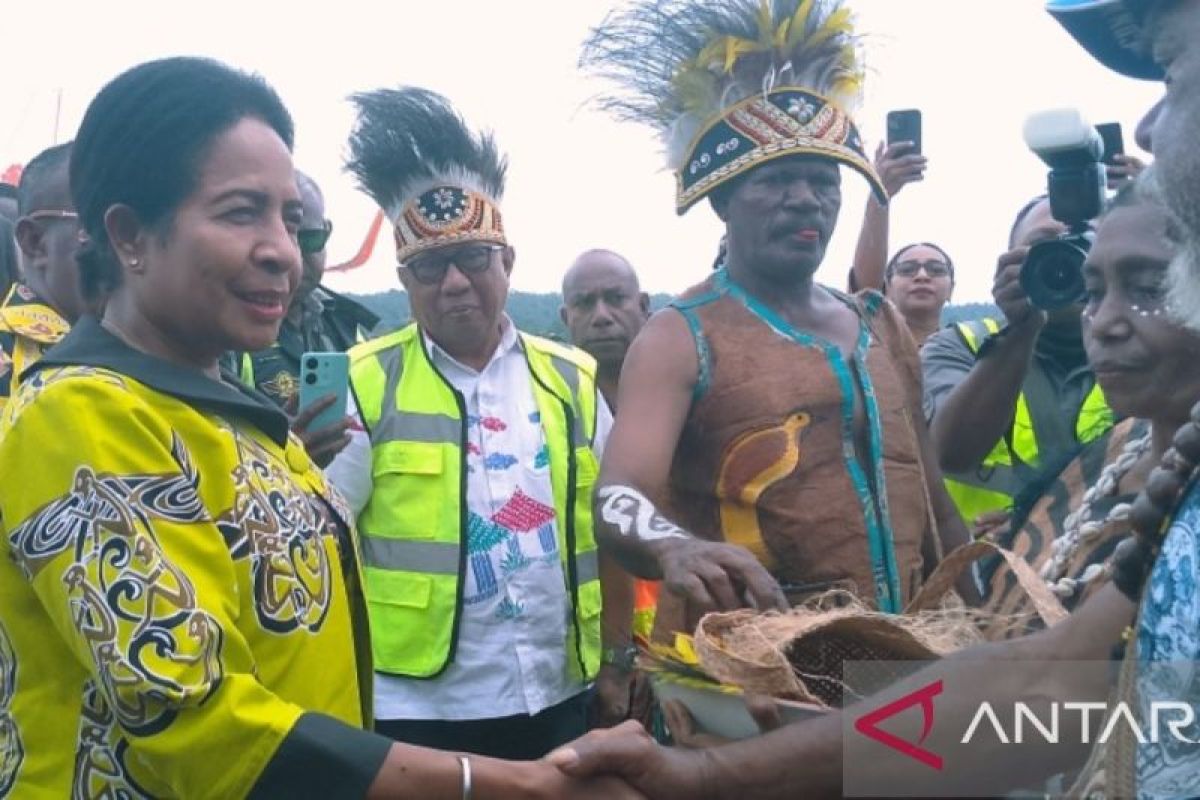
<point x="1145" y="362"/>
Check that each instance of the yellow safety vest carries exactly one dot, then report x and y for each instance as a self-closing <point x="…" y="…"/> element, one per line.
<point x="996" y="482"/>
<point x="414" y="527"/>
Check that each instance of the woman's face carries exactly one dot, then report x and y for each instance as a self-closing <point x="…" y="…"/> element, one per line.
<point x="221" y="274"/>
<point x="1145" y="363"/>
<point x="920" y="282"/>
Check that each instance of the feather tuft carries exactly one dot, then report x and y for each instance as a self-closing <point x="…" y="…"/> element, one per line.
<point x="678" y="64"/>
<point x="408" y="140"/>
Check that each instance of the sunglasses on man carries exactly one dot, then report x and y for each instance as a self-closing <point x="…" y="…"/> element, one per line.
<point x="430" y="268"/>
<point x="312" y="240"/>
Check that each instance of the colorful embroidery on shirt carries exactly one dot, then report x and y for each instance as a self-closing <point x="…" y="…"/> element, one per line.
<point x="482" y="537"/>
<point x="523" y="514"/>
<point x="498" y="462"/>
<point x="493" y="424"/>
<point x="514" y="560"/>
<point x="542" y="459"/>
<point x="510" y="609"/>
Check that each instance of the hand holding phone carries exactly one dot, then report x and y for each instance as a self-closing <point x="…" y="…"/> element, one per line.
<point x="321" y="421"/>
<point x="1114" y="142"/>
<point x="900" y="162"/>
<point x="1120" y="166"/>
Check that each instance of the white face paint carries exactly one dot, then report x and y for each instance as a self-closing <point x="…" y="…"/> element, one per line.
<point x="632" y="513"/>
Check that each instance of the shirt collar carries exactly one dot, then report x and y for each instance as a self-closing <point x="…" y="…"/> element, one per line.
<point x="509" y="340"/>
<point x="90" y="344"/>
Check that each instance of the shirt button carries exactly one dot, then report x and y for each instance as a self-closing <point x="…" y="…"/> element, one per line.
<point x="297" y="459"/>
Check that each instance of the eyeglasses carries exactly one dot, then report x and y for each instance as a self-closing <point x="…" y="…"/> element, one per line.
<point x="51" y="214"/>
<point x="934" y="269"/>
<point x="430" y="268"/>
<point x="312" y="240"/>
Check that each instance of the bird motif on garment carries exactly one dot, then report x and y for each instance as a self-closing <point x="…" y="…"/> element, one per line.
<point x="752" y="463"/>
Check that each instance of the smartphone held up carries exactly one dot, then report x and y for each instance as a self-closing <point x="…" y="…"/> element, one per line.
<point x="905" y="126"/>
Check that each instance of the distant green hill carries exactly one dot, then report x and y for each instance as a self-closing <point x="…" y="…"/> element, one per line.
<point x="538" y="313"/>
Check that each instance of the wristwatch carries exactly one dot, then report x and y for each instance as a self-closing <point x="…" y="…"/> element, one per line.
<point x="623" y="658"/>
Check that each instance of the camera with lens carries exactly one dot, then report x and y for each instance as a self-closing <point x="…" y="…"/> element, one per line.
<point x="1052" y="275"/>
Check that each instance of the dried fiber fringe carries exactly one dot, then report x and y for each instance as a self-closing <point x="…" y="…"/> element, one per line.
<point x="774" y="652"/>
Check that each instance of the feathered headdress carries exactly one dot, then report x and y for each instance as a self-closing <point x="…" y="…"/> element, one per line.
<point x="731" y="84"/>
<point x="438" y="182"/>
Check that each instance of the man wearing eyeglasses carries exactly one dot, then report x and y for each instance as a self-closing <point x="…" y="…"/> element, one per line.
<point x="472" y="477"/>
<point x="318" y="320"/>
<point x="42" y="304"/>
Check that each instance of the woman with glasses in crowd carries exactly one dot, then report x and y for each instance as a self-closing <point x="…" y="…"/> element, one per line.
<point x="919" y="280"/>
<point x="180" y="613"/>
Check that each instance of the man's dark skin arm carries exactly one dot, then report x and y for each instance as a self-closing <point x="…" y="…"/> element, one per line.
<point x="655" y="396"/>
<point x="980" y="410"/>
<point x="805" y="759"/>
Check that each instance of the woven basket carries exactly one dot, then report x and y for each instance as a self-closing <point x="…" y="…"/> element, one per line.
<point x="798" y="655"/>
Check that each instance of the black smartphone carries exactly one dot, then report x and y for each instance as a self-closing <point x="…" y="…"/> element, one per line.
<point x="1114" y="142"/>
<point x="905" y="126"/>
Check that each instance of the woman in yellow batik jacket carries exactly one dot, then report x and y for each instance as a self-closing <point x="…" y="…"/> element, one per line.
<point x="179" y="611"/>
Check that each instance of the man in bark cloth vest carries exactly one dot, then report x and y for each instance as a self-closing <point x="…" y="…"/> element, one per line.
<point x="1149" y="617"/>
<point x="771" y="443"/>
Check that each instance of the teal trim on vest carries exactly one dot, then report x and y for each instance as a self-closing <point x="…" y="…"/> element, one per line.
<point x="880" y="538"/>
<point x="703" y="354"/>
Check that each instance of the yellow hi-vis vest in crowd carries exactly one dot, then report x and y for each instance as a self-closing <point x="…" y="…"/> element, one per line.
<point x="999" y="478"/>
<point x="414" y="527"/>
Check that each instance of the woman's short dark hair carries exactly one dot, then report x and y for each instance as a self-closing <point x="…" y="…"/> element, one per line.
<point x="143" y="139"/>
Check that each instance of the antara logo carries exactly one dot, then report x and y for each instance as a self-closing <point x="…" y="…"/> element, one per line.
<point x="868" y="724"/>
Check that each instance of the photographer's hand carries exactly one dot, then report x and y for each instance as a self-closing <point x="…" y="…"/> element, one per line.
<point x="1010" y="296"/>
<point x="979" y="410"/>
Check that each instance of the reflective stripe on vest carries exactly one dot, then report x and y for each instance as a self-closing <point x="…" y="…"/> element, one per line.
<point x="413" y="529"/>
<point x="441" y="558"/>
<point x="1002" y="474"/>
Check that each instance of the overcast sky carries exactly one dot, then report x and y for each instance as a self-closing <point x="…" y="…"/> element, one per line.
<point x="577" y="179"/>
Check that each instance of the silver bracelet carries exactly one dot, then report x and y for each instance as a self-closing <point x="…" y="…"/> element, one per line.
<point x="466" y="776"/>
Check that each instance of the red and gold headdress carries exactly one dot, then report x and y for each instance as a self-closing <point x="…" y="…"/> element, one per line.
<point x="437" y="181"/>
<point x="733" y="84"/>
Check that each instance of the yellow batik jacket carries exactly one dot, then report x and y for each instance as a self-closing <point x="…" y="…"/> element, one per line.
<point x="179" y="608"/>
<point x="28" y="326"/>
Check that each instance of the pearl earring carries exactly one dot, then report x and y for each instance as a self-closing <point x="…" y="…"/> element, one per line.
<point x="133" y="262"/>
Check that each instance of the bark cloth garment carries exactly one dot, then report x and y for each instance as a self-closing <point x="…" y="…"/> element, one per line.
<point x="769" y="457"/>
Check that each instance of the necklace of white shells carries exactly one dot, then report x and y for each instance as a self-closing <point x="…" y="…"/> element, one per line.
<point x="1079" y="528"/>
